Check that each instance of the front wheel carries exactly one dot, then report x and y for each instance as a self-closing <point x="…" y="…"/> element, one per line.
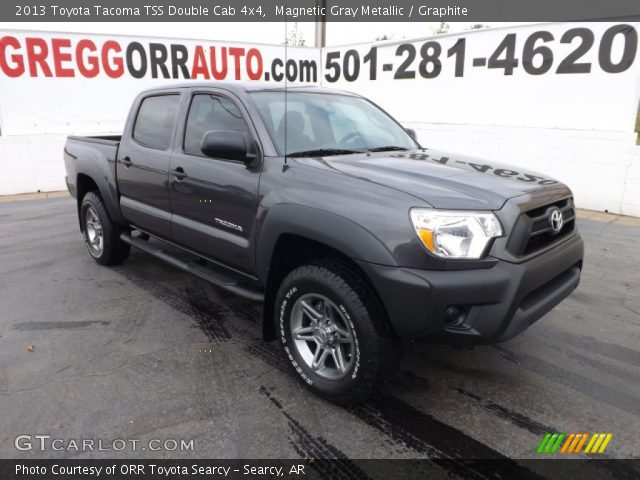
<point x="331" y="328"/>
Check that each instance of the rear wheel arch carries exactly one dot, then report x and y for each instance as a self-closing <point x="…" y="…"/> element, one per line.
<point x="84" y="185"/>
<point x="91" y="181"/>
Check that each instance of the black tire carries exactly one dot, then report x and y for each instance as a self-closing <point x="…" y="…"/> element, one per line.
<point x="374" y="352"/>
<point x="113" y="250"/>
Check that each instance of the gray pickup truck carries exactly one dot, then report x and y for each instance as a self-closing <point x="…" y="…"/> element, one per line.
<point x="321" y="206"/>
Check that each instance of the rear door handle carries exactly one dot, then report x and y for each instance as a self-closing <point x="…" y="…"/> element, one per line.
<point x="179" y="173"/>
<point x="126" y="161"/>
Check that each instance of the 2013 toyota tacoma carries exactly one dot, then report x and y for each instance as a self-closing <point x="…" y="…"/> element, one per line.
<point x="320" y="205"/>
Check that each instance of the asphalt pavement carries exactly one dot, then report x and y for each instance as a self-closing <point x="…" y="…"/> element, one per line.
<point x="144" y="351"/>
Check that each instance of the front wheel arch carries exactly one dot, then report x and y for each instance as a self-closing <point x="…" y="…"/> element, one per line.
<point x="292" y="251"/>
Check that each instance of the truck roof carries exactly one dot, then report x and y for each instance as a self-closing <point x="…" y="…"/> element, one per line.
<point x="245" y="87"/>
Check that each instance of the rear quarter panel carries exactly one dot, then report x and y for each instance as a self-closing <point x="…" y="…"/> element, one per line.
<point x="96" y="160"/>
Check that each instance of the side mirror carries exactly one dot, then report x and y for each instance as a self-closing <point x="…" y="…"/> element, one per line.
<point x="412" y="133"/>
<point x="226" y="144"/>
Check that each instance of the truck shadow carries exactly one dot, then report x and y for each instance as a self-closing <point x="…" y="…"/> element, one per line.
<point x="224" y="317"/>
<point x="426" y="371"/>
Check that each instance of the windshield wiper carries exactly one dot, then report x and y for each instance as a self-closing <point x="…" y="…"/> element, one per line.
<point x="387" y="148"/>
<point x="323" y="152"/>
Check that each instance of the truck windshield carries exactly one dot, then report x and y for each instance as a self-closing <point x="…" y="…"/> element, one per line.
<point x="310" y="124"/>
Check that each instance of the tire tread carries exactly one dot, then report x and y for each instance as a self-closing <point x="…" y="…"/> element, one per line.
<point x="372" y="324"/>
<point x="115" y="251"/>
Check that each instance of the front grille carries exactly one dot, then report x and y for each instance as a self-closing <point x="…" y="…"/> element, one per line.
<point x="533" y="230"/>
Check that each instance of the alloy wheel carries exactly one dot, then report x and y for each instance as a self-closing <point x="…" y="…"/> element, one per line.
<point x="322" y="336"/>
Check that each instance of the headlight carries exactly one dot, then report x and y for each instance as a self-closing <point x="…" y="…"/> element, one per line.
<point x="455" y="234"/>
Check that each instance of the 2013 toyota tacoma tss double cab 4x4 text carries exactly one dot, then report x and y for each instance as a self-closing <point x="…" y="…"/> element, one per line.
<point x="320" y="205"/>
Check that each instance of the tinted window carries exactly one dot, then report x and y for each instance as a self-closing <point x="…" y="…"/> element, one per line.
<point x="210" y="112"/>
<point x="156" y="120"/>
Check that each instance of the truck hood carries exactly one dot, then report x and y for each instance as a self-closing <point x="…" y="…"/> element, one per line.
<point x="443" y="180"/>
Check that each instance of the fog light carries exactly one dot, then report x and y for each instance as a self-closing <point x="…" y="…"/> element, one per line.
<point x="454" y="316"/>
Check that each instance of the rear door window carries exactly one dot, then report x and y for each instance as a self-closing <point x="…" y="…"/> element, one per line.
<point x="156" y="121"/>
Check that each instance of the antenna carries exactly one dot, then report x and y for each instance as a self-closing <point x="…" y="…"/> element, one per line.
<point x="286" y="86"/>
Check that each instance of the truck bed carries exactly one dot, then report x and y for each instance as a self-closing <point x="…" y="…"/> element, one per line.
<point x="104" y="139"/>
<point x="95" y="157"/>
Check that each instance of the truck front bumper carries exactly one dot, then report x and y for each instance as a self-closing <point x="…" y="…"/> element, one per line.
<point x="496" y="303"/>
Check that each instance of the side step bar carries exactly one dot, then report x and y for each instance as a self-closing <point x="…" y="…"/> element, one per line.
<point x="218" y="278"/>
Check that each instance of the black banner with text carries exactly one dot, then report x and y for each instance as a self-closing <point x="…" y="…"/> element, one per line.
<point x="199" y="469"/>
<point x="312" y="10"/>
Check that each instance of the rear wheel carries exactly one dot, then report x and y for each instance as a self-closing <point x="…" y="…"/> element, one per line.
<point x="331" y="328"/>
<point x="101" y="235"/>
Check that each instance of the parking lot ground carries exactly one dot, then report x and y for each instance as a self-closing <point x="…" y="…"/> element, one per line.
<point x="144" y="351"/>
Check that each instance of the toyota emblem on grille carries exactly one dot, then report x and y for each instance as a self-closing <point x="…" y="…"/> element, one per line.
<point x="556" y="220"/>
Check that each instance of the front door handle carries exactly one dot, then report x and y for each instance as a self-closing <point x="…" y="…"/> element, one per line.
<point x="179" y="173"/>
<point x="126" y="161"/>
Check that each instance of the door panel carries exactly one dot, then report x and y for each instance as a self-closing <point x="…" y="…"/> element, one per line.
<point x="143" y="165"/>
<point x="214" y="200"/>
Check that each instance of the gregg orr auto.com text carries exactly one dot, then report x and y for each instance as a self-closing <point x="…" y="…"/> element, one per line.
<point x="61" y="57"/>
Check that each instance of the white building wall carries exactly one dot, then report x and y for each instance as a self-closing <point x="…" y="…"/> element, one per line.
<point x="577" y="128"/>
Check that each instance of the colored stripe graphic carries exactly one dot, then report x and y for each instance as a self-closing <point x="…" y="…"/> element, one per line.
<point x="568" y="442"/>
<point x="607" y="439"/>
<point x="581" y="443"/>
<point x="556" y="445"/>
<point x="551" y="443"/>
<point x="573" y="443"/>
<point x="598" y="442"/>
<point x="543" y="443"/>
